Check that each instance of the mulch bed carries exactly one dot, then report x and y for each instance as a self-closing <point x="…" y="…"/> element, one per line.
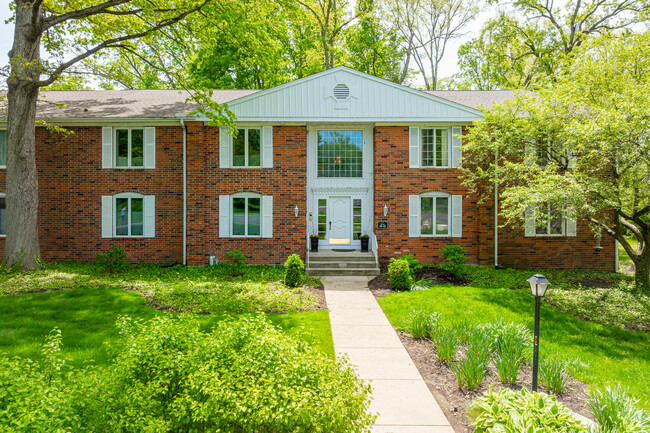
<point x="381" y="287"/>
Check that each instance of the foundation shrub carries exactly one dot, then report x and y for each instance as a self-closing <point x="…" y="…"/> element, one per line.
<point x="113" y="260"/>
<point x="399" y="274"/>
<point x="294" y="270"/>
<point x="522" y="411"/>
<point x="169" y="376"/>
<point x="456" y="258"/>
<point x="414" y="264"/>
<point x="617" y="412"/>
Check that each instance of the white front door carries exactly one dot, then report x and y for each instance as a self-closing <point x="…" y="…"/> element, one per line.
<point x="340" y="223"/>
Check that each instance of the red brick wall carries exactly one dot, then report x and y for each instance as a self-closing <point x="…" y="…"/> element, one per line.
<point x="286" y="182"/>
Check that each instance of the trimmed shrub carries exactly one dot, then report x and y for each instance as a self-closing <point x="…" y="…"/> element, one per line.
<point x="294" y="270"/>
<point x="553" y="375"/>
<point x="421" y="323"/>
<point x="618" y="412"/>
<point x="399" y="274"/>
<point x="169" y="376"/>
<point x="456" y="258"/>
<point x="414" y="264"/>
<point x="113" y="260"/>
<point x="522" y="411"/>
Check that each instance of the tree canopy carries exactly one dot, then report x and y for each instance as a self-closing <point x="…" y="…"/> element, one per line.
<point x="581" y="146"/>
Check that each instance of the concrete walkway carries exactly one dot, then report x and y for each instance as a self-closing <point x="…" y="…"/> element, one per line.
<point x="362" y="332"/>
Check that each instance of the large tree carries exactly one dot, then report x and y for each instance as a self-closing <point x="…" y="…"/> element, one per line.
<point x="529" y="40"/>
<point x="581" y="147"/>
<point x="69" y="31"/>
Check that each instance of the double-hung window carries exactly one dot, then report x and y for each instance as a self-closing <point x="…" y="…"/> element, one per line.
<point x="545" y="219"/>
<point x="3" y="148"/>
<point x="246" y="216"/>
<point x="435" y="213"/>
<point x="435" y="147"/>
<point x="129" y="147"/>
<point x="128" y="215"/>
<point x="247" y="148"/>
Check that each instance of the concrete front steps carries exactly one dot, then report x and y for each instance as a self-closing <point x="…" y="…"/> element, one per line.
<point x="332" y="263"/>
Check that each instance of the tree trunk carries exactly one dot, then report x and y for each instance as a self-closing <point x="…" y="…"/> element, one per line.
<point x="22" y="179"/>
<point x="642" y="273"/>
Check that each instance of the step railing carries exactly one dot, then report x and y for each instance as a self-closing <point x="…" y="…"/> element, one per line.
<point x="375" y="247"/>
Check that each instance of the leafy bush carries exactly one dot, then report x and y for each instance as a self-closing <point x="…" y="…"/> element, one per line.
<point x="294" y="270"/>
<point x="456" y="258"/>
<point x="554" y="375"/>
<point x="113" y="260"/>
<point x="414" y="264"/>
<point x="236" y="257"/>
<point x="617" y="412"/>
<point x="446" y="342"/>
<point x="168" y="376"/>
<point x="522" y="411"/>
<point x="399" y="274"/>
<point x="421" y="322"/>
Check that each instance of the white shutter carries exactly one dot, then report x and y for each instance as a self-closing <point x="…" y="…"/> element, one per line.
<point x="107" y="147"/>
<point x="150" y="147"/>
<point x="224" y="216"/>
<point x="267" y="216"/>
<point x="456" y="143"/>
<point x="224" y="148"/>
<point x="414" y="216"/>
<point x="457" y="216"/>
<point x="267" y="146"/>
<point x="149" y="220"/>
<point x="107" y="216"/>
<point x="571" y="229"/>
<point x="414" y="147"/>
<point x="530" y="221"/>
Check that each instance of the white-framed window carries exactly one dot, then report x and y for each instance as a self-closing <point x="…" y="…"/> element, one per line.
<point x="544" y="219"/>
<point x="3" y="148"/>
<point x="247" y="148"/>
<point x="542" y="151"/>
<point x="128" y="147"/>
<point x="340" y="153"/>
<point x="435" y="144"/>
<point x="246" y="214"/>
<point x="252" y="147"/>
<point x="3" y="215"/>
<point x="128" y="215"/>
<point x="435" y="214"/>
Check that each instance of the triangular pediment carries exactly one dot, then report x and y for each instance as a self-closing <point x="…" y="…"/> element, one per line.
<point x="345" y="95"/>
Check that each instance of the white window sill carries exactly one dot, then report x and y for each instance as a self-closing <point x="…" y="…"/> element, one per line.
<point x="129" y="168"/>
<point x="434" y="167"/>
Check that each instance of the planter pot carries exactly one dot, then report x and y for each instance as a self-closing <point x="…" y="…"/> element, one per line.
<point x="313" y="244"/>
<point x="364" y="244"/>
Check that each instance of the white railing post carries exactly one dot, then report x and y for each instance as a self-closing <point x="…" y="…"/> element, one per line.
<point x="375" y="247"/>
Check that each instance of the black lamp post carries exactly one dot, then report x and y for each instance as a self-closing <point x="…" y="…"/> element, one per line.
<point x="538" y="285"/>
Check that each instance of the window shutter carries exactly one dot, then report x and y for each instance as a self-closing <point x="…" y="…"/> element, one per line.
<point x="267" y="146"/>
<point x="224" y="148"/>
<point x="150" y="147"/>
<point x="414" y="216"/>
<point x="414" y="147"/>
<point x="530" y="221"/>
<point x="571" y="227"/>
<point x="457" y="216"/>
<point x="107" y="216"/>
<point x="224" y="216"/>
<point x="107" y="147"/>
<point x="267" y="216"/>
<point x="456" y="143"/>
<point x="149" y="210"/>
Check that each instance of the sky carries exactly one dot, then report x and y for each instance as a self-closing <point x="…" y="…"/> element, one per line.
<point x="448" y="66"/>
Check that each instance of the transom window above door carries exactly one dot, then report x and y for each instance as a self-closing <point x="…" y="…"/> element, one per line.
<point x="246" y="148"/>
<point x="340" y="153"/>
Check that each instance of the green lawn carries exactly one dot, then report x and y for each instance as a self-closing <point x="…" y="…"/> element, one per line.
<point x="622" y="254"/>
<point x="598" y="354"/>
<point x="85" y="303"/>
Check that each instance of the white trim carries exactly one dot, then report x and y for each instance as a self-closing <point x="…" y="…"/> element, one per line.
<point x="129" y="195"/>
<point x="245" y="195"/>
<point x="449" y="148"/>
<point x="435" y="195"/>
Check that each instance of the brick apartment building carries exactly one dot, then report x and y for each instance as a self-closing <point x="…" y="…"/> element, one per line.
<point x="339" y="153"/>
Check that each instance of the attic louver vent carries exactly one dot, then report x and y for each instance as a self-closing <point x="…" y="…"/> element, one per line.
<point x="341" y="92"/>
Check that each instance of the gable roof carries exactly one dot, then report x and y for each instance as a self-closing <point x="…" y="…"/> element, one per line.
<point x="362" y="97"/>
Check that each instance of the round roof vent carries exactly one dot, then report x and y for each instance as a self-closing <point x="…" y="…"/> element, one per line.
<point x="341" y="92"/>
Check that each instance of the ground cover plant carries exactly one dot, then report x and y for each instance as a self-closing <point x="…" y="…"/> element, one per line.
<point x="617" y="412"/>
<point x="222" y="289"/>
<point x="170" y="375"/>
<point x="596" y="354"/>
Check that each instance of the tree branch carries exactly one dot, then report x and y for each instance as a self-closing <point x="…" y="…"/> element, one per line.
<point x="82" y="13"/>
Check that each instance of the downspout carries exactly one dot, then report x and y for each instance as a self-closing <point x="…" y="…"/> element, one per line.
<point x="496" y="214"/>
<point x="184" y="191"/>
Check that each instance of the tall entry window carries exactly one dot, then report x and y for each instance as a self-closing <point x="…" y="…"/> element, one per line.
<point x="356" y="218"/>
<point x="340" y="153"/>
<point x="322" y="218"/>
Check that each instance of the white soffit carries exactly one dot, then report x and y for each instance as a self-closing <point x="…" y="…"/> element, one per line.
<point x="345" y="95"/>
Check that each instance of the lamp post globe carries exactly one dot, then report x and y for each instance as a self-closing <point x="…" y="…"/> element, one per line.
<point x="538" y="286"/>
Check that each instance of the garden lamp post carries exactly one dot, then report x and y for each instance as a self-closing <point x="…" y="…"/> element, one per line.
<point x="538" y="285"/>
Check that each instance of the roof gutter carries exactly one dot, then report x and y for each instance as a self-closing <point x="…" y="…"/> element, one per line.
<point x="184" y="191"/>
